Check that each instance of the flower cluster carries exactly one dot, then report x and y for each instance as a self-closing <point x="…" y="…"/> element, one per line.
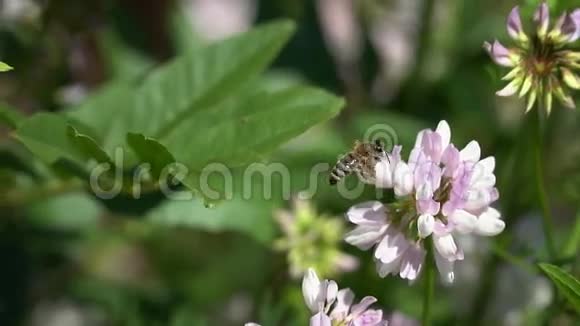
<point x="312" y="240"/>
<point x="542" y="60"/>
<point x="331" y="306"/>
<point x="440" y="191"/>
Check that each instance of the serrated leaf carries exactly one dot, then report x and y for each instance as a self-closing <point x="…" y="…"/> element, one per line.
<point x="51" y="138"/>
<point x="9" y="116"/>
<point x="255" y="221"/>
<point x="87" y="147"/>
<point x="150" y="151"/>
<point x="566" y="283"/>
<point x="5" y="67"/>
<point x="188" y="84"/>
<point x="101" y="112"/>
<point x="239" y="131"/>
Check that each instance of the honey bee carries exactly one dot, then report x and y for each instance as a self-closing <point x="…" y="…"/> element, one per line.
<point x="361" y="160"/>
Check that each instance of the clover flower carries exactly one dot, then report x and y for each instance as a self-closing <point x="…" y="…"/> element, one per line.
<point x="541" y="62"/>
<point x="440" y="191"/>
<point x="333" y="307"/>
<point x="312" y="240"/>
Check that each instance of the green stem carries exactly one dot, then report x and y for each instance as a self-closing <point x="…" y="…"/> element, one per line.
<point x="547" y="218"/>
<point x="429" y="290"/>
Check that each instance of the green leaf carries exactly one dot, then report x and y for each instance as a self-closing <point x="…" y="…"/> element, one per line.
<point x="101" y="114"/>
<point x="122" y="61"/>
<point x="50" y="137"/>
<point x="189" y="84"/>
<point x="566" y="283"/>
<point x="150" y="151"/>
<point x="255" y="221"/>
<point x="182" y="32"/>
<point x="9" y="116"/>
<point x="87" y="147"/>
<point x="243" y="129"/>
<point x="5" y="67"/>
<point x="207" y="106"/>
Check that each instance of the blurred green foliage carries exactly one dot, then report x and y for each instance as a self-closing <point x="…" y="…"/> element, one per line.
<point x="164" y="94"/>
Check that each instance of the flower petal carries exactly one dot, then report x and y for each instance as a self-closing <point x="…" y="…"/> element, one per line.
<point x="548" y="102"/>
<point x="531" y="100"/>
<point x="445" y="132"/>
<point x="371" y="317"/>
<point x="511" y="88"/>
<point x="314" y="297"/>
<point x="514" y="26"/>
<point x="500" y="54"/>
<point x="384" y="269"/>
<point x="425" y="225"/>
<point x="542" y="19"/>
<point x="392" y="246"/>
<point x="464" y="222"/>
<point x="450" y="160"/>
<point x="569" y="29"/>
<point x="411" y="263"/>
<point x="384" y="171"/>
<point x="446" y="246"/>
<point x="403" y="183"/>
<point x="562" y="96"/>
<point x="487" y="164"/>
<point x="445" y="268"/>
<point x="570" y="78"/>
<point x="331" y="291"/>
<point x="471" y="152"/>
<point x="515" y="72"/>
<point x="365" y="236"/>
<point x="320" y="319"/>
<point x="344" y="300"/>
<point x="359" y="308"/>
<point x="489" y="223"/>
<point x="526" y="85"/>
<point x="367" y="213"/>
<point x="575" y="15"/>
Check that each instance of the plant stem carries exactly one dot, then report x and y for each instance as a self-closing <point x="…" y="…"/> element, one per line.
<point x="429" y="290"/>
<point x="547" y="218"/>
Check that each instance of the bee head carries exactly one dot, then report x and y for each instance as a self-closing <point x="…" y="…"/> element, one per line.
<point x="379" y="147"/>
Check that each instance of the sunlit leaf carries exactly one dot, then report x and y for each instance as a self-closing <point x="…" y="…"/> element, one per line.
<point x="5" y="67"/>
<point x="190" y="83"/>
<point x="50" y="137"/>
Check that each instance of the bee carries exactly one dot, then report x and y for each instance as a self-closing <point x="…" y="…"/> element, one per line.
<point x="361" y="160"/>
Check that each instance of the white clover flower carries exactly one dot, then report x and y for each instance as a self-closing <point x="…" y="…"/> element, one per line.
<point x="331" y="306"/>
<point x="440" y="191"/>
